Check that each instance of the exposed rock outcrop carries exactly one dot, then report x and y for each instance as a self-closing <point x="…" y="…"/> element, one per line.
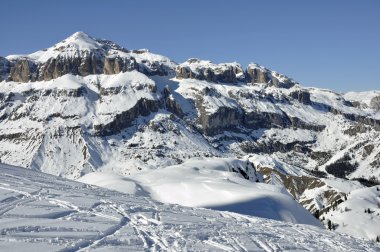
<point x="375" y="123"/>
<point x="375" y="103"/>
<point x="224" y="118"/>
<point x="258" y="74"/>
<point x="206" y="70"/>
<point x="120" y="121"/>
<point x="276" y="146"/>
<point x="302" y="96"/>
<point x="83" y="55"/>
<point x="229" y="112"/>
<point x="298" y="186"/>
<point x="171" y="104"/>
<point x="257" y="120"/>
<point x="118" y="64"/>
<point x="23" y="70"/>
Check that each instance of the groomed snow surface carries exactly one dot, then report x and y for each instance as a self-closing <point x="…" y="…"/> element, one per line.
<point x="40" y="212"/>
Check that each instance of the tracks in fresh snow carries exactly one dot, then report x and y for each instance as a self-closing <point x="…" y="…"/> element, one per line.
<point x="42" y="212"/>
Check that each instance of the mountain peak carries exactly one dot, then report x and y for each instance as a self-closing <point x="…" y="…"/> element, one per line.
<point x="78" y="41"/>
<point x="79" y="34"/>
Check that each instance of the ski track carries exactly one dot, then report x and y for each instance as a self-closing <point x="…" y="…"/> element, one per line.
<point x="77" y="217"/>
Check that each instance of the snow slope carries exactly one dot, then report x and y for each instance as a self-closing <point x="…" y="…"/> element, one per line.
<point x="86" y="105"/>
<point x="352" y="216"/>
<point x="210" y="183"/>
<point x="41" y="212"/>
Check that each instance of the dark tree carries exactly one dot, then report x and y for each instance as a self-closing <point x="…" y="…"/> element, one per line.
<point x="329" y="224"/>
<point x="316" y="214"/>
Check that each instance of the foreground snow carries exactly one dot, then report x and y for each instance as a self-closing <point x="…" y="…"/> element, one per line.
<point x="210" y="183"/>
<point x="40" y="212"/>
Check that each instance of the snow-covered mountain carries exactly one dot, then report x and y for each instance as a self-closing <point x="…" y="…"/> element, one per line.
<point x="40" y="212"/>
<point x="88" y="105"/>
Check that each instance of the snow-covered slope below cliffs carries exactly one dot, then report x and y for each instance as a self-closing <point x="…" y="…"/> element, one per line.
<point x="359" y="215"/>
<point x="343" y="202"/>
<point x="52" y="125"/>
<point x="87" y="104"/>
<point x="364" y="100"/>
<point x="42" y="212"/>
<point x="305" y="128"/>
<point x="211" y="183"/>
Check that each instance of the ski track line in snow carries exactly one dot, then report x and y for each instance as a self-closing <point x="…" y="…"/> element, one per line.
<point x="86" y="245"/>
<point x="149" y="225"/>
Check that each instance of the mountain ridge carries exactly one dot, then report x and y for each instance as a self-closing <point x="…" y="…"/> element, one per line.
<point x="110" y="109"/>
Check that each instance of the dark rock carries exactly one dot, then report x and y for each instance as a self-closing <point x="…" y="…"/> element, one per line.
<point x="23" y="70"/>
<point x="320" y="156"/>
<point x="375" y="123"/>
<point x="375" y="103"/>
<point x="276" y="146"/>
<point x="356" y="104"/>
<point x="302" y="96"/>
<point x="123" y="120"/>
<point x="56" y="67"/>
<point x="117" y="65"/>
<point x="12" y="136"/>
<point x="171" y="104"/>
<point x="258" y="74"/>
<point x="299" y="124"/>
<point x="368" y="150"/>
<point x="356" y="129"/>
<point x="204" y="70"/>
<point x="342" y="167"/>
<point x="224" y="118"/>
<point x="257" y="120"/>
<point x="376" y="162"/>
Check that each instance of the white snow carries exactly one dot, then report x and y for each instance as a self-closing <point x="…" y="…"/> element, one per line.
<point x="133" y="78"/>
<point x="196" y="65"/>
<point x="41" y="212"/>
<point x="350" y="216"/>
<point x="362" y="97"/>
<point x="210" y="183"/>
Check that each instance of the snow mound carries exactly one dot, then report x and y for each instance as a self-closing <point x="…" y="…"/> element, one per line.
<point x="211" y="183"/>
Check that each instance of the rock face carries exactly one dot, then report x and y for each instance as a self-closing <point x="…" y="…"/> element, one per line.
<point x="117" y="65"/>
<point x="375" y="103"/>
<point x="302" y="96"/>
<point x="123" y="120"/>
<point x="258" y="74"/>
<point x="95" y="104"/>
<point x="205" y="70"/>
<point x="170" y="103"/>
<point x="257" y="120"/>
<point x="82" y="55"/>
<point x="224" y="118"/>
<point x="299" y="186"/>
<point x="23" y="70"/>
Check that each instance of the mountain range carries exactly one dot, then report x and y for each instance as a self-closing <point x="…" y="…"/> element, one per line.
<point x="89" y="109"/>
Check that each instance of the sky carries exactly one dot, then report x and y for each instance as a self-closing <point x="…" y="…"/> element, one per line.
<point x="332" y="44"/>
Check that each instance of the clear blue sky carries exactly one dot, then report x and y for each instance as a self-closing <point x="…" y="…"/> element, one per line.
<point x="332" y="44"/>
